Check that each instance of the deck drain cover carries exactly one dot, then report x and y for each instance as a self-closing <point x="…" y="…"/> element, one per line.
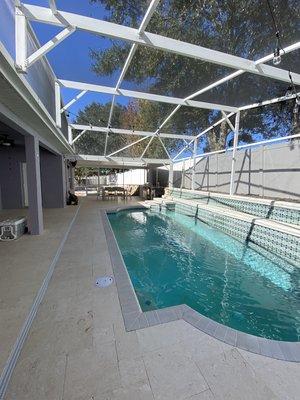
<point x="104" y="281"/>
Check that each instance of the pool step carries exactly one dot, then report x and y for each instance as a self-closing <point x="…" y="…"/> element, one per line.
<point x="275" y="210"/>
<point x="280" y="238"/>
<point x="159" y="204"/>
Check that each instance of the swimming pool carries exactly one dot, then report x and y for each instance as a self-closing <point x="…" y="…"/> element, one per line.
<point x="174" y="259"/>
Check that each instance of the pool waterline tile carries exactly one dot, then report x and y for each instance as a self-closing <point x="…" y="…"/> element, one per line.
<point x="135" y="319"/>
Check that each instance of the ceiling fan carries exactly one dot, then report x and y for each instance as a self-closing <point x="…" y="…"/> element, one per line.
<point x="5" y="141"/>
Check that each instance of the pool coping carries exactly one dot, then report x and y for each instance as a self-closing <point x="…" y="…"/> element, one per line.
<point x="135" y="319"/>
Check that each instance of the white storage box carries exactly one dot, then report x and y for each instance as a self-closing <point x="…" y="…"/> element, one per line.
<point x="12" y="228"/>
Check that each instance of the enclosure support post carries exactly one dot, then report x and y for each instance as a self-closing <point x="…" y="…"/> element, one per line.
<point x="182" y="177"/>
<point x="194" y="163"/>
<point x="57" y="105"/>
<point x="235" y="142"/>
<point x="21" y="39"/>
<point x="171" y="174"/>
<point x="123" y="181"/>
<point x="70" y="135"/>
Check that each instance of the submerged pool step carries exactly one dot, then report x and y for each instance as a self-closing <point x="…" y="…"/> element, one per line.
<point x="159" y="204"/>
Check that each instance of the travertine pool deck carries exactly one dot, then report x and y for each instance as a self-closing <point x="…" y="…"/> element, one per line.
<point x="78" y="349"/>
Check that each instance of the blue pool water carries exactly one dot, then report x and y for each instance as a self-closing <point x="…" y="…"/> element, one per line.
<point x="175" y="259"/>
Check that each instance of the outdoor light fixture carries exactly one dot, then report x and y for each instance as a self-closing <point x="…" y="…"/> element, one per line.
<point x="277" y="56"/>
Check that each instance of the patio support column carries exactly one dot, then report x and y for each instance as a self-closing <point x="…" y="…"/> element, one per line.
<point x="35" y="211"/>
<point x="194" y="163"/>
<point x="171" y="174"/>
<point x="235" y="142"/>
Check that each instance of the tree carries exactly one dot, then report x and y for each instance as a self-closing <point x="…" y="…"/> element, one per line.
<point x="97" y="114"/>
<point x="141" y="115"/>
<point x="239" y="27"/>
<point x="136" y="116"/>
<point x="82" y="172"/>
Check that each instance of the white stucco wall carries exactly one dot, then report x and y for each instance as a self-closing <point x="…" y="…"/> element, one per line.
<point x="132" y="177"/>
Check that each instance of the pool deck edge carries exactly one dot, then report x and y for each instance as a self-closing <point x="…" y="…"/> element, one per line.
<point x="135" y="319"/>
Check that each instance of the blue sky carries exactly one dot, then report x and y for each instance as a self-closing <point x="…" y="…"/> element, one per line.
<point x="70" y="59"/>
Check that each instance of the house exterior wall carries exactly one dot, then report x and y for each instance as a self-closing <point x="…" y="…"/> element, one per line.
<point x="53" y="179"/>
<point x="11" y="177"/>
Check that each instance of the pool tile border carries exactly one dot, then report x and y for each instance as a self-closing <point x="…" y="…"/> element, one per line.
<point x="134" y="318"/>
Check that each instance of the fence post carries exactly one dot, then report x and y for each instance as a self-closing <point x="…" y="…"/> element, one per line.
<point x="194" y="163"/>
<point x="235" y="142"/>
<point x="171" y="175"/>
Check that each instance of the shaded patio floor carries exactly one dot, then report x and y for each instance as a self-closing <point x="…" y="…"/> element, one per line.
<point x="77" y="348"/>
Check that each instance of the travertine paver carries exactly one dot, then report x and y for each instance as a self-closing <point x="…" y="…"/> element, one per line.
<point x="229" y="377"/>
<point x="173" y="374"/>
<point x="24" y="263"/>
<point x="78" y="348"/>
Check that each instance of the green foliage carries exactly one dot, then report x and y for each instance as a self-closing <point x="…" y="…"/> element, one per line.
<point x="136" y="116"/>
<point x="82" y="172"/>
<point x="97" y="114"/>
<point x="239" y="27"/>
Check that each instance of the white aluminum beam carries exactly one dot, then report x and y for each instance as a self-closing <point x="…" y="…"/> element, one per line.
<point x="129" y="132"/>
<point x="127" y="147"/>
<point x="116" y="31"/>
<point x="227" y="78"/>
<point x="82" y="93"/>
<point x="203" y="133"/>
<point x="150" y="11"/>
<point x="243" y="146"/>
<point x="49" y="46"/>
<point x="20" y="39"/>
<point x="228" y="121"/>
<point x="116" y="161"/>
<point x="123" y="72"/>
<point x="147" y="147"/>
<point x="56" y="13"/>
<point x="78" y="136"/>
<point x="262" y="60"/>
<point x="52" y="5"/>
<point x="254" y="105"/>
<point x="70" y="135"/>
<point x="57" y="105"/>
<point x="267" y="102"/>
<point x="194" y="163"/>
<point x="146" y="19"/>
<point x="171" y="175"/>
<point x="164" y="147"/>
<point x="145" y="96"/>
